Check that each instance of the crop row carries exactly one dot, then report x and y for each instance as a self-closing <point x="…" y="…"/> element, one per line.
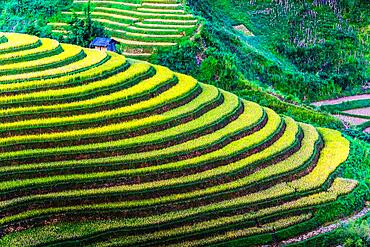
<point x="192" y="111"/>
<point x="94" y="96"/>
<point x="138" y="30"/>
<point x="48" y="48"/>
<point x="69" y="55"/>
<point x="309" y="184"/>
<point x="106" y="111"/>
<point x="139" y="37"/>
<point x="194" y="178"/>
<point x="85" y="91"/>
<point x="92" y="58"/>
<point x="347" y="105"/>
<point x="110" y="113"/>
<point x="19" y="42"/>
<point x="144" y="25"/>
<point x="208" y="232"/>
<point x="142" y="15"/>
<point x="193" y="125"/>
<point x="338" y="188"/>
<point x="96" y="231"/>
<point x="191" y="128"/>
<point x="99" y="71"/>
<point x="99" y="131"/>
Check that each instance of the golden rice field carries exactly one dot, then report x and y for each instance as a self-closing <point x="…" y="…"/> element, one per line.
<point x="100" y="150"/>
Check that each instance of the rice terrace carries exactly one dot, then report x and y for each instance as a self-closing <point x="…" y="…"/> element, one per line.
<point x="159" y="123"/>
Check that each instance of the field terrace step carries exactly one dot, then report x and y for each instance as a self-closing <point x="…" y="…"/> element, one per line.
<point x="161" y="16"/>
<point x="275" y="191"/>
<point x="352" y="110"/>
<point x="90" y="60"/>
<point x="154" y="10"/>
<point x="48" y="48"/>
<point x="212" y="226"/>
<point x="123" y="3"/>
<point x="18" y="42"/>
<point x="68" y="55"/>
<point x="151" y="44"/>
<point x="75" y="97"/>
<point x="194" y="147"/>
<point x="73" y="122"/>
<point x="181" y="110"/>
<point x="154" y="137"/>
<point x="103" y="230"/>
<point x="201" y="103"/>
<point x="107" y="104"/>
<point x="210" y="157"/>
<point x="64" y="137"/>
<point x="101" y="70"/>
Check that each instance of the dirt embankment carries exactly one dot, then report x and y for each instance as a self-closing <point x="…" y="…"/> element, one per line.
<point x="341" y="100"/>
<point x="325" y="229"/>
<point x="359" y="111"/>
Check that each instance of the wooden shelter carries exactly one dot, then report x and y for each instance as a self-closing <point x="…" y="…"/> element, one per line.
<point x="104" y="44"/>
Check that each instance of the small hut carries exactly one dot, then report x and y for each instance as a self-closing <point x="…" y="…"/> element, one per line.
<point x="104" y="44"/>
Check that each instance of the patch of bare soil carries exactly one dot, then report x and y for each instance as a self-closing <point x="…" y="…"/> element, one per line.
<point x="352" y="120"/>
<point x="243" y="29"/>
<point x="325" y="229"/>
<point x="360" y="111"/>
<point x="341" y="100"/>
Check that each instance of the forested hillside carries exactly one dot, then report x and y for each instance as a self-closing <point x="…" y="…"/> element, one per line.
<point x="29" y="16"/>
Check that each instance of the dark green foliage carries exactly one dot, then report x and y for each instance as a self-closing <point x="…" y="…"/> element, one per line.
<point x="357" y="165"/>
<point x="358" y="133"/>
<point x="220" y="70"/>
<point x="83" y="31"/>
<point x="211" y="66"/>
<point x="356" y="234"/>
<point x="182" y="58"/>
<point x="29" y="16"/>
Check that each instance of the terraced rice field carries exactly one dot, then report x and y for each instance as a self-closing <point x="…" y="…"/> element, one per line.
<point x="353" y="110"/>
<point x="100" y="150"/>
<point x="141" y="26"/>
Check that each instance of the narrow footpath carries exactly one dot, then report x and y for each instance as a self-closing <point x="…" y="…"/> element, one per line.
<point x="323" y="229"/>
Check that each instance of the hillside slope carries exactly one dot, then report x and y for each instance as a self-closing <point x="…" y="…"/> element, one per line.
<point x="100" y="150"/>
<point x="308" y="50"/>
<point x="141" y="26"/>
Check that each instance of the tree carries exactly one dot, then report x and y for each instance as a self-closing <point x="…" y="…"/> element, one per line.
<point x="83" y="31"/>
